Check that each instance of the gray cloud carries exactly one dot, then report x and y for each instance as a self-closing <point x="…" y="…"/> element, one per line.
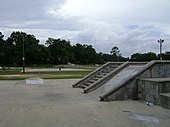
<point x="133" y="26"/>
<point x="37" y="14"/>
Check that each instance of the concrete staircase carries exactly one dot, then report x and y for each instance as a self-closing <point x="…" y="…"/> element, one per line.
<point x="98" y="76"/>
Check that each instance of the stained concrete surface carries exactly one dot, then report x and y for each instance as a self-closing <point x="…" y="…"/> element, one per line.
<point x="57" y="104"/>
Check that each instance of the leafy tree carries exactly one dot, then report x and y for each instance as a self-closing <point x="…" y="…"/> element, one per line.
<point x="44" y="54"/>
<point x="60" y="50"/>
<point x="84" y="54"/>
<point x="23" y="45"/>
<point x="99" y="58"/>
<point x="1" y="36"/>
<point x="2" y="50"/>
<point x="115" y="52"/>
<point x="90" y="54"/>
<point x="144" y="57"/>
<point x="166" y="55"/>
<point x="136" y="57"/>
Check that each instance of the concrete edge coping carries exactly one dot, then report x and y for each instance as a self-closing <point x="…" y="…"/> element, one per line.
<point x="155" y="79"/>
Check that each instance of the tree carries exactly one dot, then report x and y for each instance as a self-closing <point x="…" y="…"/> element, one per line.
<point x="23" y="44"/>
<point x="43" y="54"/>
<point x="99" y="58"/>
<point x="136" y="57"/>
<point x="115" y="52"/>
<point x="144" y="57"/>
<point x="166" y="55"/>
<point x="84" y="54"/>
<point x="2" y="50"/>
<point x="60" y="50"/>
<point x="1" y="36"/>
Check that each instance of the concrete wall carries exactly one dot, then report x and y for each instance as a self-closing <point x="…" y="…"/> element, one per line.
<point x="164" y="87"/>
<point x="149" y="91"/>
<point x="158" y="70"/>
<point x="125" y="92"/>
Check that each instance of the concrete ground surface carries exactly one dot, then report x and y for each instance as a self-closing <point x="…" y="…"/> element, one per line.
<point x="57" y="104"/>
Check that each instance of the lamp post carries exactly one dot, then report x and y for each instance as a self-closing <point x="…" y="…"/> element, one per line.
<point x="23" y="55"/>
<point x="160" y="42"/>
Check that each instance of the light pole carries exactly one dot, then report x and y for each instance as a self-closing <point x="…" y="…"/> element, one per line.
<point x="160" y="42"/>
<point x="23" y="55"/>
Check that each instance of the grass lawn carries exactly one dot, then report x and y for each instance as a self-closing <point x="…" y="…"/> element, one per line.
<point x="16" y="74"/>
<point x="10" y="71"/>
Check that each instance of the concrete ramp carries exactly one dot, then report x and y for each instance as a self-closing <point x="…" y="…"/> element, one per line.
<point x="117" y="80"/>
<point x="122" y="76"/>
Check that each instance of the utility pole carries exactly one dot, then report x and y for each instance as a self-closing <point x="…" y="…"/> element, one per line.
<point x="160" y="42"/>
<point x="23" y="55"/>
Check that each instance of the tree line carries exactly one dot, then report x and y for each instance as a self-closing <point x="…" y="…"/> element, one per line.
<point x="58" y="51"/>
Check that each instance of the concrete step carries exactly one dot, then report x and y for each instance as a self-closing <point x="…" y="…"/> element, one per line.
<point x="96" y="78"/>
<point x="105" y="71"/>
<point x="83" y="86"/>
<point x="165" y="99"/>
<point x="92" y="81"/>
<point x="87" y="83"/>
<point x="99" y="76"/>
<point x="165" y="94"/>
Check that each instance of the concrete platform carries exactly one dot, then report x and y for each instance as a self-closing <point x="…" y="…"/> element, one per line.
<point x="57" y="104"/>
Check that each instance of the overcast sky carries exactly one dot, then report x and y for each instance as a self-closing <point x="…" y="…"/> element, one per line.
<point x="132" y="25"/>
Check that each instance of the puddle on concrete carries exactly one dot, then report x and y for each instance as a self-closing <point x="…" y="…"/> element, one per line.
<point x="145" y="118"/>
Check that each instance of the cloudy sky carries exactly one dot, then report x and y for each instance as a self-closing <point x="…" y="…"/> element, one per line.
<point x="132" y="25"/>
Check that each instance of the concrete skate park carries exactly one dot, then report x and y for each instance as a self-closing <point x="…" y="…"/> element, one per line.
<point x="114" y="95"/>
<point x="130" y="80"/>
